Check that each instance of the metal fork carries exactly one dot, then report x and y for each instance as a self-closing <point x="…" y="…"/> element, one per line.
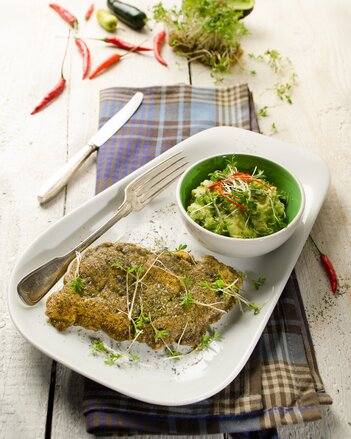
<point x="137" y="195"/>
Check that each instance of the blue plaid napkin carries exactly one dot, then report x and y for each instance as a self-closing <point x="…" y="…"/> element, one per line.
<point x="167" y="115"/>
<point x="280" y="383"/>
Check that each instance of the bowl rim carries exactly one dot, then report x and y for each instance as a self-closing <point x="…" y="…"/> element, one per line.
<point x="211" y="234"/>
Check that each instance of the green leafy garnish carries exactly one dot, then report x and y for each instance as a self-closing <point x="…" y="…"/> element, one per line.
<point x="223" y="288"/>
<point x="274" y="59"/>
<point x="259" y="282"/>
<point x="140" y="321"/>
<point x="118" y="264"/>
<point x="160" y="334"/>
<point x="180" y="247"/>
<point x="279" y="64"/>
<point x="207" y="339"/>
<point x="274" y="128"/>
<point x="284" y="89"/>
<point x="263" y="112"/>
<point x="112" y="358"/>
<point x="136" y="269"/>
<point x="78" y="284"/>
<point x="134" y="357"/>
<point x="174" y="354"/>
<point x="187" y="299"/>
<point x="98" y="345"/>
<point x="187" y="281"/>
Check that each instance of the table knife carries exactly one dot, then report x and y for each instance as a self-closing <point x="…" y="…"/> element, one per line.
<point x="61" y="177"/>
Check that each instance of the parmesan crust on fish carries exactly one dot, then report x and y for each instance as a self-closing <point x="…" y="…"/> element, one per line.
<point x="161" y="297"/>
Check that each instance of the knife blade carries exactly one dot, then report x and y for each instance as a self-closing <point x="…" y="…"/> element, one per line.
<point x="61" y="177"/>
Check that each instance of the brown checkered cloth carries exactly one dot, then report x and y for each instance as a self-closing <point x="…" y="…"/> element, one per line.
<point x="280" y="383"/>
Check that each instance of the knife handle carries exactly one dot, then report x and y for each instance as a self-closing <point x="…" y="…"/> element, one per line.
<point x="61" y="177"/>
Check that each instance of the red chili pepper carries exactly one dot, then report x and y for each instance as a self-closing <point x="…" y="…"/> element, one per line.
<point x="219" y="187"/>
<point x="84" y="50"/>
<point x="57" y="90"/>
<point x="54" y="93"/>
<point x="113" y="59"/>
<point x="89" y="12"/>
<point x="241" y="176"/>
<point x="330" y="272"/>
<point x="125" y="45"/>
<point x="329" y="268"/>
<point x="219" y="183"/>
<point x="249" y="178"/>
<point x="66" y="15"/>
<point x="158" y="42"/>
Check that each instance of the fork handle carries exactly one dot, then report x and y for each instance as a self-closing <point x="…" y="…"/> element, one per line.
<point x="36" y="284"/>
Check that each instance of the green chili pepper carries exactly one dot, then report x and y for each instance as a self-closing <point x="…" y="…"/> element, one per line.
<point x="130" y="15"/>
<point x="107" y="20"/>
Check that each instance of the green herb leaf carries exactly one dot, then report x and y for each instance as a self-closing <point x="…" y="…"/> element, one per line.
<point x="263" y="112"/>
<point x="112" y="358"/>
<point x="98" y="345"/>
<point x="187" y="281"/>
<point x="136" y="269"/>
<point x="78" y="284"/>
<point x="187" y="299"/>
<point x="259" y="282"/>
<point x="134" y="357"/>
<point x="274" y="128"/>
<point x="207" y="339"/>
<point x="140" y="321"/>
<point x="180" y="247"/>
<point x="118" y="264"/>
<point x="174" y="353"/>
<point x="160" y="334"/>
<point x="255" y="308"/>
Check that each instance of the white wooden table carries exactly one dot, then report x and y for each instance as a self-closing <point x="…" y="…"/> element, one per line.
<point x="38" y="400"/>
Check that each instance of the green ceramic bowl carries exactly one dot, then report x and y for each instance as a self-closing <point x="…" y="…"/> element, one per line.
<point x="276" y="174"/>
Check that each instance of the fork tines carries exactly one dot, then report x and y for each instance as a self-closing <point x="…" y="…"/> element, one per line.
<point x="155" y="180"/>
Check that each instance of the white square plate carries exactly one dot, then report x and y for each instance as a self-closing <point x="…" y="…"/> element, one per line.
<point x="154" y="379"/>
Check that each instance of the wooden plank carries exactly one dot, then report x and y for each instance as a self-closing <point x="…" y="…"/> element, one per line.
<point x="29" y="151"/>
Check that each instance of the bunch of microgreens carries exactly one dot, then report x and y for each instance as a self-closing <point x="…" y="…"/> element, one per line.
<point x="134" y="282"/>
<point x="208" y="31"/>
